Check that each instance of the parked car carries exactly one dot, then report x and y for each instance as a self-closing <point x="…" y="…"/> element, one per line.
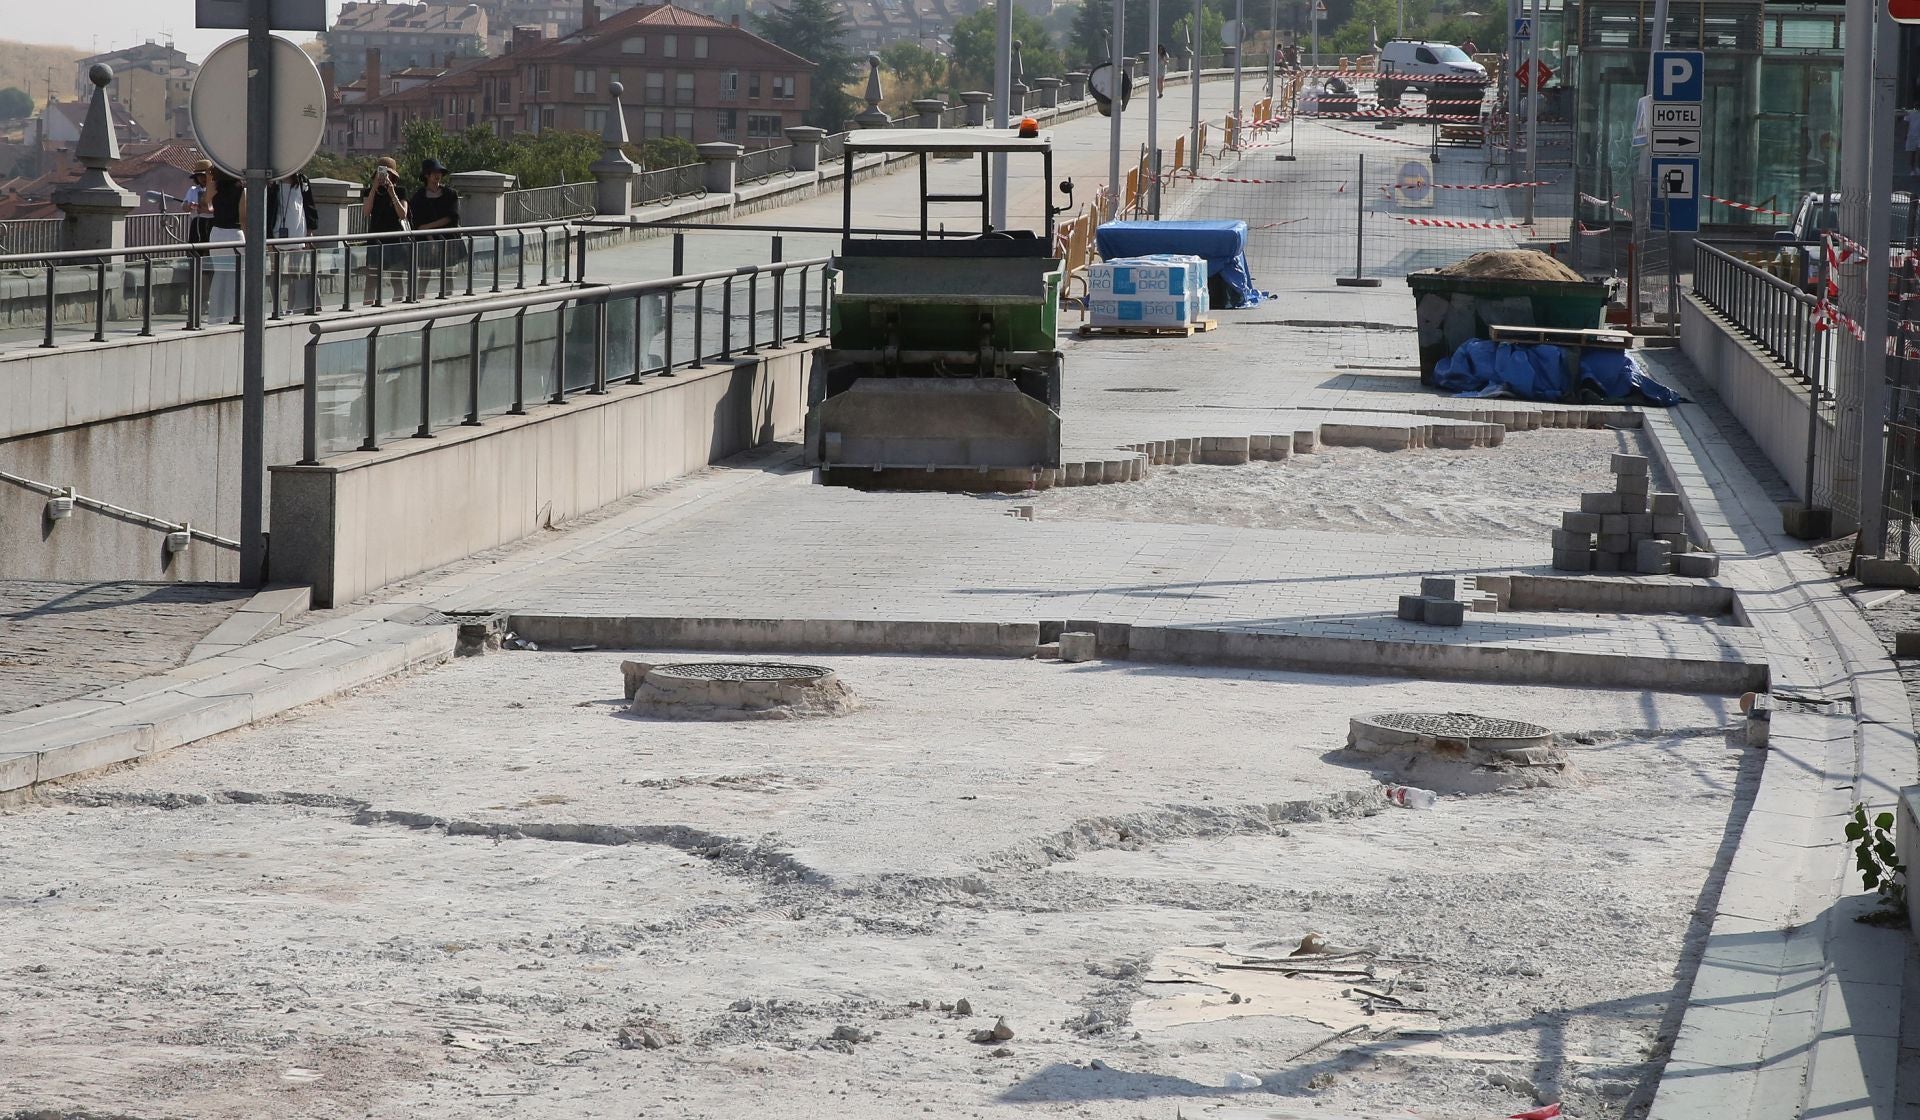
<point x="1442" y="71"/>
<point x="1818" y="214"/>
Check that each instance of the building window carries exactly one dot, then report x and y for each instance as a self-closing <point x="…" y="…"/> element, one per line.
<point x="670" y="46"/>
<point x="699" y="46"/>
<point x="764" y="126"/>
<point x="782" y="88"/>
<point x="634" y="44"/>
<point x="546" y="117"/>
<point x="652" y="123"/>
<point x="683" y="123"/>
<point x="546" y="79"/>
<point x="656" y="87"/>
<point x="726" y="123"/>
<point x="594" y="120"/>
<point x="585" y="79"/>
<point x="683" y="89"/>
<point x="730" y="85"/>
<point x="753" y="84"/>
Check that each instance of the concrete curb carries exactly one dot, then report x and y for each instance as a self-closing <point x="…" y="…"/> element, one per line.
<point x="266" y="610"/>
<point x="1191" y="645"/>
<point x="215" y="694"/>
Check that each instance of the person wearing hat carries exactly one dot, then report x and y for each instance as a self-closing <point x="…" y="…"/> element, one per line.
<point x="435" y="206"/>
<point x="199" y="201"/>
<point x="386" y="212"/>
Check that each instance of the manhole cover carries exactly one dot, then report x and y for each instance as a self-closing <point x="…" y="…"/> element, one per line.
<point x="1143" y="389"/>
<point x="742" y="671"/>
<point x="735" y="690"/>
<point x="1461" y="751"/>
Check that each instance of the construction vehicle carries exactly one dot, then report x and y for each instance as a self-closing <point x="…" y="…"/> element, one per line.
<point x="941" y="370"/>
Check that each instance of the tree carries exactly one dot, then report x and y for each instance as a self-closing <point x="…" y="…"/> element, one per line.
<point x="817" y="31"/>
<point x="15" y="103"/>
<point x="1211" y="25"/>
<point x="663" y="151"/>
<point x="974" y="38"/>
<point x="915" y="66"/>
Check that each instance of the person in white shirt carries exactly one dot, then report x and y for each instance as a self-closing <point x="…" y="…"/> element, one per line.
<point x="291" y="213"/>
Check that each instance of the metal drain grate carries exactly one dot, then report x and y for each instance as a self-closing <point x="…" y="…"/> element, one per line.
<point x="1458" y="725"/>
<point x="741" y="671"/>
<point x="1839" y="706"/>
<point x="1143" y="389"/>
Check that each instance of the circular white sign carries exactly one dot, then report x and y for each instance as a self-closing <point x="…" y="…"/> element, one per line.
<point x="219" y="108"/>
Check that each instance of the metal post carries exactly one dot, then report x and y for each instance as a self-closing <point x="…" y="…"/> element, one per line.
<point x="146" y="297"/>
<point x="1359" y="279"/>
<point x="1196" y="38"/>
<point x="194" y="277"/>
<point x="1002" y="95"/>
<point x="346" y="278"/>
<point x="47" y="342"/>
<point x="253" y="368"/>
<point x="599" y="347"/>
<point x="666" y="346"/>
<point x="425" y="430"/>
<point x="1533" y="103"/>
<point x="726" y="318"/>
<point x="1512" y="63"/>
<point x="473" y="372"/>
<point x="1115" y="184"/>
<point x="679" y="253"/>
<point x="1273" y="46"/>
<point x="559" y="351"/>
<point x="699" y="325"/>
<point x="519" y="364"/>
<point x="1313" y="21"/>
<point x="370" y="392"/>
<point x="753" y="313"/>
<point x="274" y="271"/>
<point x="1239" y="56"/>
<point x="779" y="298"/>
<point x="1875" y="399"/>
<point x="100" y="300"/>
<point x="310" y="406"/>
<point x="639" y="338"/>
<point x="1153" y="105"/>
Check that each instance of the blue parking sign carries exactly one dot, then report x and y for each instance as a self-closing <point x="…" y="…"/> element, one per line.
<point x="1679" y="75"/>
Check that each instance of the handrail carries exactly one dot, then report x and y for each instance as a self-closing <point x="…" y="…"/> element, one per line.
<point x="119" y="513"/>
<point x="312" y="242"/>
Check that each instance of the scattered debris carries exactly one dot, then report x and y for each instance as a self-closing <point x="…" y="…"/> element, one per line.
<point x="1238" y="1080"/>
<point x="640" y="1038"/>
<point x="962" y="1007"/>
<point x="1311" y="943"/>
<point x="1001" y="1031"/>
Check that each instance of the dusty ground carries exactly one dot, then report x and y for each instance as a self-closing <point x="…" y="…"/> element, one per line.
<point x="451" y="895"/>
<point x="1516" y="491"/>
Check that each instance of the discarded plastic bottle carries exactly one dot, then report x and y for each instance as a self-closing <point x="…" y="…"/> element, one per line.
<point x="1412" y="797"/>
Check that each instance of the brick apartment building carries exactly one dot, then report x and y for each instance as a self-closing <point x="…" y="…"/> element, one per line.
<point x="406" y="35"/>
<point x="685" y="74"/>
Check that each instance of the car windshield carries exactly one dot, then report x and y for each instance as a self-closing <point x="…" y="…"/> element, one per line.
<point x="1901" y="226"/>
<point x="1452" y="54"/>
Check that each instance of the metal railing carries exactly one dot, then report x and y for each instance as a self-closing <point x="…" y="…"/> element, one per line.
<point x="833" y="146"/>
<point x="763" y="163"/>
<point x="157" y="229"/>
<point x="120" y="513"/>
<point x="193" y="286"/>
<point x="31" y="235"/>
<point x="1776" y="313"/>
<point x="686" y="181"/>
<point x="547" y="204"/>
<point x="493" y="357"/>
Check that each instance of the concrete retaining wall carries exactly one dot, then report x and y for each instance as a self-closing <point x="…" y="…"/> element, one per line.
<point x="1757" y="389"/>
<point x="360" y="521"/>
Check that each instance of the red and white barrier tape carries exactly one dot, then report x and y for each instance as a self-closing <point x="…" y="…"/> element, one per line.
<point x="1609" y="204"/>
<point x="1747" y="206"/>
<point x="1586" y="231"/>
<point x="1420" y="80"/>
<point x="1452" y="223"/>
<point x="1383" y="139"/>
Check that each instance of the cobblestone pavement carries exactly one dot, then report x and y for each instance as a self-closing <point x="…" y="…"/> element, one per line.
<point x="59" y="640"/>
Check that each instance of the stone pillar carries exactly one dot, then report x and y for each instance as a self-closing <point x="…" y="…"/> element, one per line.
<point x="613" y="172"/>
<point x="723" y="166"/>
<point x="96" y="207"/>
<point x="977" y="103"/>
<point x="1046" y="93"/>
<point x="1017" y="86"/>
<point x="483" y="197"/>
<point x="873" y="116"/>
<point x="1076" y="89"/>
<point x="806" y="147"/>
<point x="930" y="110"/>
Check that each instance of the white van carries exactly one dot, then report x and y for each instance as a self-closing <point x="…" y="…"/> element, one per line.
<point x="1440" y="70"/>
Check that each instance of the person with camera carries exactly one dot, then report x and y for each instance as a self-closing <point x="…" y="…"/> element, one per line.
<point x="386" y="212"/>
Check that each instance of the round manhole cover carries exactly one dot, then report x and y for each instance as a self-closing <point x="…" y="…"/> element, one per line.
<point x="741" y="671"/>
<point x="1460" y="751"/>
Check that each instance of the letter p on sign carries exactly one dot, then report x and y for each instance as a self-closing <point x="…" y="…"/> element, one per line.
<point x="1674" y="73"/>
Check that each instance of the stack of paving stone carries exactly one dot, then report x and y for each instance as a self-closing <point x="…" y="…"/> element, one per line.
<point x="1439" y="605"/>
<point x="1629" y="529"/>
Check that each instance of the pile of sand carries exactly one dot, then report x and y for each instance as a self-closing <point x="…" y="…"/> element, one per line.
<point x="1510" y="264"/>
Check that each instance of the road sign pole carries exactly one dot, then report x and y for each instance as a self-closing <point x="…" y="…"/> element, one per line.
<point x="1116" y="186"/>
<point x="253" y="395"/>
<point x="1196" y="40"/>
<point x="1876" y="402"/>
<point x="1002" y="94"/>
<point x="1239" y="55"/>
<point x="1533" y="100"/>
<point x="1273" y="44"/>
<point x="1513" y="83"/>
<point x="1153" y="108"/>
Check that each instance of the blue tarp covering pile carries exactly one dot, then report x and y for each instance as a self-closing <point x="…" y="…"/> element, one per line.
<point x="1222" y="244"/>
<point x="1537" y="371"/>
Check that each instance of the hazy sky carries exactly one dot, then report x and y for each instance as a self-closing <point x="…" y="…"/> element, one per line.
<point x="101" y="25"/>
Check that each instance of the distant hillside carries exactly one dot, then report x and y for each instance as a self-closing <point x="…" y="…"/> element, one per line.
<point x="26" y="64"/>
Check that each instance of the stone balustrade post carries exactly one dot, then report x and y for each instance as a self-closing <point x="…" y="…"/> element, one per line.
<point x="335" y="200"/>
<point x="1076" y="86"/>
<point x="873" y="116"/>
<point x="805" y="154"/>
<point x="976" y="102"/>
<point x="930" y="110"/>
<point x="483" y="197"/>
<point x="95" y="206"/>
<point x="613" y="172"/>
<point x="723" y="166"/>
<point x="1046" y="93"/>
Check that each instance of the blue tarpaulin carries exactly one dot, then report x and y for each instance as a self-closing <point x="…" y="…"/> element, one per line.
<point x="1222" y="244"/>
<point x="1537" y="371"/>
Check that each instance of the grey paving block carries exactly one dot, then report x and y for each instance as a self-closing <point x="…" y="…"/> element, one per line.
<point x="1679" y="541"/>
<point x="1696" y="565"/>
<point x="1630" y="484"/>
<point x="1632" y="503"/>
<point x="1577" y="560"/>
<point x="1652" y="558"/>
<point x="1614" y="542"/>
<point x="1666" y="504"/>
<point x="1615" y="523"/>
<point x="1574" y="521"/>
<point x="1078" y="646"/>
<point x="1565" y="541"/>
<point x="1629" y="464"/>
<point x="1280" y="445"/>
<point x="1413" y="608"/>
<point x="1438" y="587"/>
<point x="1665" y="523"/>
<point x="1445" y="612"/>
<point x="1641" y="523"/>
<point x="1304" y="442"/>
<point x="1606" y="561"/>
<point x="1600" y="503"/>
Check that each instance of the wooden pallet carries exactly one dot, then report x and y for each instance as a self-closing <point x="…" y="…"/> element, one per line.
<point x="1198" y="326"/>
<point x="1562" y="336"/>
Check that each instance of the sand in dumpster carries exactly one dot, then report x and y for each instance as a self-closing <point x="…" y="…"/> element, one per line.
<point x="1510" y="264"/>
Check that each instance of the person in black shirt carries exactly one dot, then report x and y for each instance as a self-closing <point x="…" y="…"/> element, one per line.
<point x="228" y="197"/>
<point x="435" y="206"/>
<point x="386" y="212"/>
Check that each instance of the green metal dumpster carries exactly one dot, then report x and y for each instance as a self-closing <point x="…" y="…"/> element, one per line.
<point x="1449" y="310"/>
